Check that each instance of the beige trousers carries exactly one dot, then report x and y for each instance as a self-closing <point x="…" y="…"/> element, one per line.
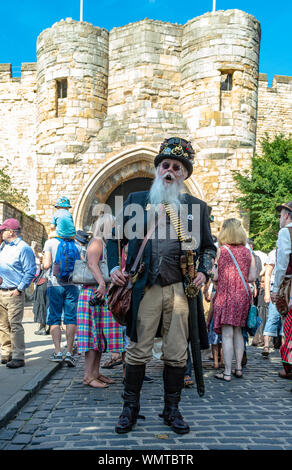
<point x="11" y="329"/>
<point x="171" y="302"/>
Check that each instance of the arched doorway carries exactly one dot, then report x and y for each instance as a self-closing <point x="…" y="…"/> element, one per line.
<point x="127" y="187"/>
<point x="122" y="173"/>
<point x="123" y="190"/>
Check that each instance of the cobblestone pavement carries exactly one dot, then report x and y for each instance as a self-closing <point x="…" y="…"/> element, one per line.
<point x="250" y="413"/>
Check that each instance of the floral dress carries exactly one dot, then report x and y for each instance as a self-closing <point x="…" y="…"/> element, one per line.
<point x="231" y="302"/>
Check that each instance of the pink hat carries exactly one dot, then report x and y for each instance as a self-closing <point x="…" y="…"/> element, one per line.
<point x="10" y="224"/>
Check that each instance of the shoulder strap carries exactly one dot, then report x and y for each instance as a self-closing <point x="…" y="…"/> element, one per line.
<point x="239" y="271"/>
<point x="140" y="252"/>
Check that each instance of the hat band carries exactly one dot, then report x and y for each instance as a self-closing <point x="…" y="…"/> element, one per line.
<point x="287" y="207"/>
<point x="176" y="151"/>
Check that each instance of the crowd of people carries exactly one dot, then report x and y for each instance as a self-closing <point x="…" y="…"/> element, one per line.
<point x="173" y="274"/>
<point x="57" y="302"/>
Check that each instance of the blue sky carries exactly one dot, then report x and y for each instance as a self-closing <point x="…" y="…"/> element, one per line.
<point x="23" y="20"/>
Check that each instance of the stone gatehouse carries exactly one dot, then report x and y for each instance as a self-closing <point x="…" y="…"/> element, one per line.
<point x="87" y="119"/>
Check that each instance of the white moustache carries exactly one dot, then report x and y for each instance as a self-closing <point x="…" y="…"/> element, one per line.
<point x="169" y="174"/>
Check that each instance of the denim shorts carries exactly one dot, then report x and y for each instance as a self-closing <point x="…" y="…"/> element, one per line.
<point x="62" y="299"/>
<point x="273" y="325"/>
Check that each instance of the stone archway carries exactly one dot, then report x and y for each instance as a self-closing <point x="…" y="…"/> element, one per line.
<point x="133" y="163"/>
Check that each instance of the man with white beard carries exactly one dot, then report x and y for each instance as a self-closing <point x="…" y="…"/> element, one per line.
<point x="159" y="298"/>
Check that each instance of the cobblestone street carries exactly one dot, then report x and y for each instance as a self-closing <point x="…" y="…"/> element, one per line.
<point x="248" y="414"/>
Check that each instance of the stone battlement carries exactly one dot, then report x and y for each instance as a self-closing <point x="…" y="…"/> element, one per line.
<point x="277" y="80"/>
<point x="27" y="68"/>
<point x="90" y="115"/>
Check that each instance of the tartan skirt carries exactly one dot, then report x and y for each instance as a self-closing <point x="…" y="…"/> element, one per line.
<point x="96" y="327"/>
<point x="286" y="348"/>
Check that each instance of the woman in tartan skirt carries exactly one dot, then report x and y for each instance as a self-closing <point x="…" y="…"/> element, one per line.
<point x="97" y="331"/>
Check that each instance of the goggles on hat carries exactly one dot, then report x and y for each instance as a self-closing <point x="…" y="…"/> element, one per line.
<point x="175" y="166"/>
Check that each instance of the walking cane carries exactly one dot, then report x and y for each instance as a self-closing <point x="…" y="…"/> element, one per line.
<point x="119" y="247"/>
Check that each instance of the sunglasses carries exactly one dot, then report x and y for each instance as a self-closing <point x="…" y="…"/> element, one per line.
<point x="166" y="166"/>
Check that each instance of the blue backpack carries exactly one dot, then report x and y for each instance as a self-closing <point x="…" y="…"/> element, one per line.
<point x="67" y="254"/>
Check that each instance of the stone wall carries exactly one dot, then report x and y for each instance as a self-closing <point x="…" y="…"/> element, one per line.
<point x="18" y="127"/>
<point x="163" y="80"/>
<point x="125" y="91"/>
<point x="222" y="122"/>
<point x="77" y="53"/>
<point x="31" y="229"/>
<point x="274" y="107"/>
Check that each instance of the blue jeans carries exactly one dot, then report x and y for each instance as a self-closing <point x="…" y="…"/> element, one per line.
<point x="274" y="324"/>
<point x="62" y="298"/>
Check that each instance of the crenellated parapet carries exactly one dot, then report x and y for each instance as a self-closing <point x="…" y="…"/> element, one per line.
<point x="91" y="113"/>
<point x="274" y="107"/>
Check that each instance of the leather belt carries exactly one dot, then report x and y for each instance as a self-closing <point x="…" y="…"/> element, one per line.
<point x="8" y="288"/>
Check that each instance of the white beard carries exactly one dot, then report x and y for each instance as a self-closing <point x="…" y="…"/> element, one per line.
<point x="169" y="193"/>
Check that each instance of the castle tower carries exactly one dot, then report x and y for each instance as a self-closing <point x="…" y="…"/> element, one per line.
<point x="144" y="84"/>
<point x="220" y="58"/>
<point x="72" y="73"/>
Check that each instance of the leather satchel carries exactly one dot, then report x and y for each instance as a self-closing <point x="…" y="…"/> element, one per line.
<point x="283" y="297"/>
<point x="83" y="275"/>
<point x="119" y="300"/>
<point x="119" y="297"/>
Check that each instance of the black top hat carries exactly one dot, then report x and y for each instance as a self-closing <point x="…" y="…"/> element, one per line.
<point x="176" y="149"/>
<point x="81" y="236"/>
<point x="287" y="206"/>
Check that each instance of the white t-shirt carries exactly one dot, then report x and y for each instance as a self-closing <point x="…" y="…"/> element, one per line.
<point x="263" y="256"/>
<point x="272" y="260"/>
<point x="283" y="254"/>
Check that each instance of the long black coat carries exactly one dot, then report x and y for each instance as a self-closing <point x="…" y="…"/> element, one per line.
<point x="205" y="250"/>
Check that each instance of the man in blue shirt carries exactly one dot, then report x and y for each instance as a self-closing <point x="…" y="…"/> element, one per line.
<point x="17" y="269"/>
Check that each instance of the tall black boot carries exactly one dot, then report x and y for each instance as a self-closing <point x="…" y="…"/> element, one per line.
<point x="132" y="385"/>
<point x="173" y="383"/>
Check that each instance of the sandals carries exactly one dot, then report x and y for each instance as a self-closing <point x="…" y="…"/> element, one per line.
<point x="106" y="380"/>
<point x="222" y="377"/>
<point x="90" y="383"/>
<point x="112" y="363"/>
<point x="265" y="351"/>
<point x="237" y="373"/>
<point x="188" y="382"/>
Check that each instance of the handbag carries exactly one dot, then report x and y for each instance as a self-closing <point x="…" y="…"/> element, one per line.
<point x="283" y="297"/>
<point x="253" y="319"/>
<point x="83" y="275"/>
<point x="119" y="297"/>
